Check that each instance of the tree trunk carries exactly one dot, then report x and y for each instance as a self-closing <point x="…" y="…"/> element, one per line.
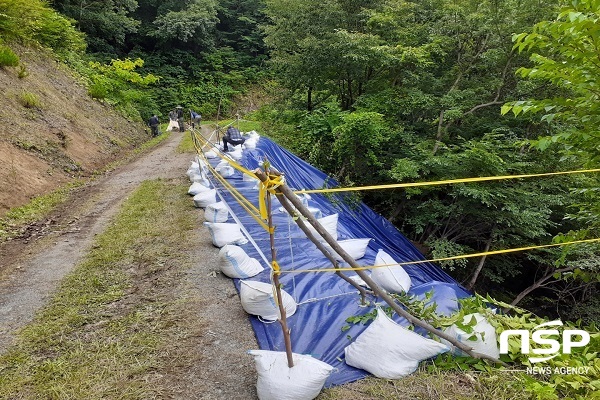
<point x="309" y="104"/>
<point x="440" y="132"/>
<point x="481" y="263"/>
<point x="540" y="282"/>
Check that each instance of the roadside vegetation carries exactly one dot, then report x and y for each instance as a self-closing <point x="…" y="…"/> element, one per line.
<point x="110" y="327"/>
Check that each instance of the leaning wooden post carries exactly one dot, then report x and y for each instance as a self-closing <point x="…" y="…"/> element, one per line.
<point x="285" y="191"/>
<point x="275" y="268"/>
<point x="294" y="214"/>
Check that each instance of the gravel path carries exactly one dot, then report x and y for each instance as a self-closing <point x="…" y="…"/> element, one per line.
<point x="33" y="266"/>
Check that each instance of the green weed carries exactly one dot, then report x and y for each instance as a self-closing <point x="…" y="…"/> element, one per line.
<point x="29" y="100"/>
<point x="7" y="57"/>
<point x="37" y="208"/>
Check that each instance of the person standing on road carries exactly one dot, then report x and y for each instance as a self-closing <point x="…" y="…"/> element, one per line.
<point x="153" y="124"/>
<point x="180" y="119"/>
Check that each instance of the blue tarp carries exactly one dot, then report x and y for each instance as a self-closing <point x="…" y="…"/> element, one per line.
<point x="324" y="300"/>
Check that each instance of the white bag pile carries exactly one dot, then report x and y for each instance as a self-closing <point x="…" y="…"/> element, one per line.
<point x="392" y="278"/>
<point x="356" y="248"/>
<point x="210" y="154"/>
<point x="205" y="197"/>
<point x="216" y="212"/>
<point x="486" y="340"/>
<point x="387" y="350"/>
<point x="225" y="233"/>
<point x="197" y="187"/>
<point x="276" y="381"/>
<point x="329" y="222"/>
<point x="224" y="169"/>
<point x="235" y="263"/>
<point x="259" y="298"/>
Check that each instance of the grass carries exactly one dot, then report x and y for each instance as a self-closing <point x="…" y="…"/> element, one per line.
<point x="433" y="385"/>
<point x="35" y="210"/>
<point x="29" y="100"/>
<point x="7" y="57"/>
<point x="104" y="333"/>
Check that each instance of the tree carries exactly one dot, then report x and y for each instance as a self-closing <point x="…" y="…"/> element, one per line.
<point x="564" y="53"/>
<point x="105" y="22"/>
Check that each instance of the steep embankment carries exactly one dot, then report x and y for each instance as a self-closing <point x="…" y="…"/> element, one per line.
<point x="52" y="131"/>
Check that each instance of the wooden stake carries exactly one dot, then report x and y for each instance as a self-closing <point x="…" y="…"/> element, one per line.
<point x="285" y="191"/>
<point x="283" y="319"/>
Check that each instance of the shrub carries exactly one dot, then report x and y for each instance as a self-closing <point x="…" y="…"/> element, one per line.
<point x="23" y="73"/>
<point x="29" y="100"/>
<point x="8" y="58"/>
<point x="97" y="91"/>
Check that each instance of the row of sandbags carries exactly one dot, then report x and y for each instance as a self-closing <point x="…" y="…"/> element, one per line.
<point x="276" y="381"/>
<point x="385" y="349"/>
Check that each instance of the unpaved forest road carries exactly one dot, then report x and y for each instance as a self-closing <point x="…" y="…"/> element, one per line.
<point x="32" y="267"/>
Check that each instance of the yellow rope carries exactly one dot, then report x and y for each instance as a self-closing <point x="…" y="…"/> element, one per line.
<point x="269" y="185"/>
<point x="486" y="253"/>
<point x="443" y="182"/>
<point x="243" y="201"/>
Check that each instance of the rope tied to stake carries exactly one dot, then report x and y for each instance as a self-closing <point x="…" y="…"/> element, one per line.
<point x="272" y="183"/>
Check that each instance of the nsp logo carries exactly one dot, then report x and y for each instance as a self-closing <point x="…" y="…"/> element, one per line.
<point x="540" y="337"/>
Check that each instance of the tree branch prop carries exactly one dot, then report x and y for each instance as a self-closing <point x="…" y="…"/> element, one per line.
<point x="285" y="191"/>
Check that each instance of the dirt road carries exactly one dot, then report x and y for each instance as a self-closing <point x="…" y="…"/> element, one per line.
<point x="31" y="268"/>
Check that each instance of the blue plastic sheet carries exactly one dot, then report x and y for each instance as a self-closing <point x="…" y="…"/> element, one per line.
<point x="324" y="300"/>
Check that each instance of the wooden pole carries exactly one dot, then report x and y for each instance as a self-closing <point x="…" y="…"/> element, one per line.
<point x="286" y="191"/>
<point x="283" y="317"/>
<point x="294" y="214"/>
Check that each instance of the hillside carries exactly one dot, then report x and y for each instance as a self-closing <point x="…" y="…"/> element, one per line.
<point x="63" y="135"/>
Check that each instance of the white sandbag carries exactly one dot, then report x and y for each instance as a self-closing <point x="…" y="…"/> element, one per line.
<point x="201" y="179"/>
<point x="204" y="198"/>
<point x="356" y="248"/>
<point x="173" y="125"/>
<point x="486" y="340"/>
<point x="197" y="187"/>
<point x="250" y="144"/>
<point x="210" y="154"/>
<point x="387" y="350"/>
<point x="235" y="263"/>
<point x="393" y="278"/>
<point x="193" y="169"/>
<point x="225" y="171"/>
<point x="259" y="298"/>
<point x="236" y="155"/>
<point x="315" y="211"/>
<point x="253" y="135"/>
<point x="329" y="223"/>
<point x="225" y="233"/>
<point x="277" y="381"/>
<point x="216" y="212"/>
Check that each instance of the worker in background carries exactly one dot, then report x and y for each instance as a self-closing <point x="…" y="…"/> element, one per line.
<point x="195" y="118"/>
<point x="153" y="124"/>
<point x="180" y="120"/>
<point x="232" y="136"/>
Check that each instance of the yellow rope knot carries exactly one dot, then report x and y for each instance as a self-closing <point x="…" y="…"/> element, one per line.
<point x="272" y="183"/>
<point x="276" y="268"/>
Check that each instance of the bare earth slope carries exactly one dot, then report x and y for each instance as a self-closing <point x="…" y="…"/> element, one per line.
<point x="67" y="134"/>
<point x="215" y="364"/>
